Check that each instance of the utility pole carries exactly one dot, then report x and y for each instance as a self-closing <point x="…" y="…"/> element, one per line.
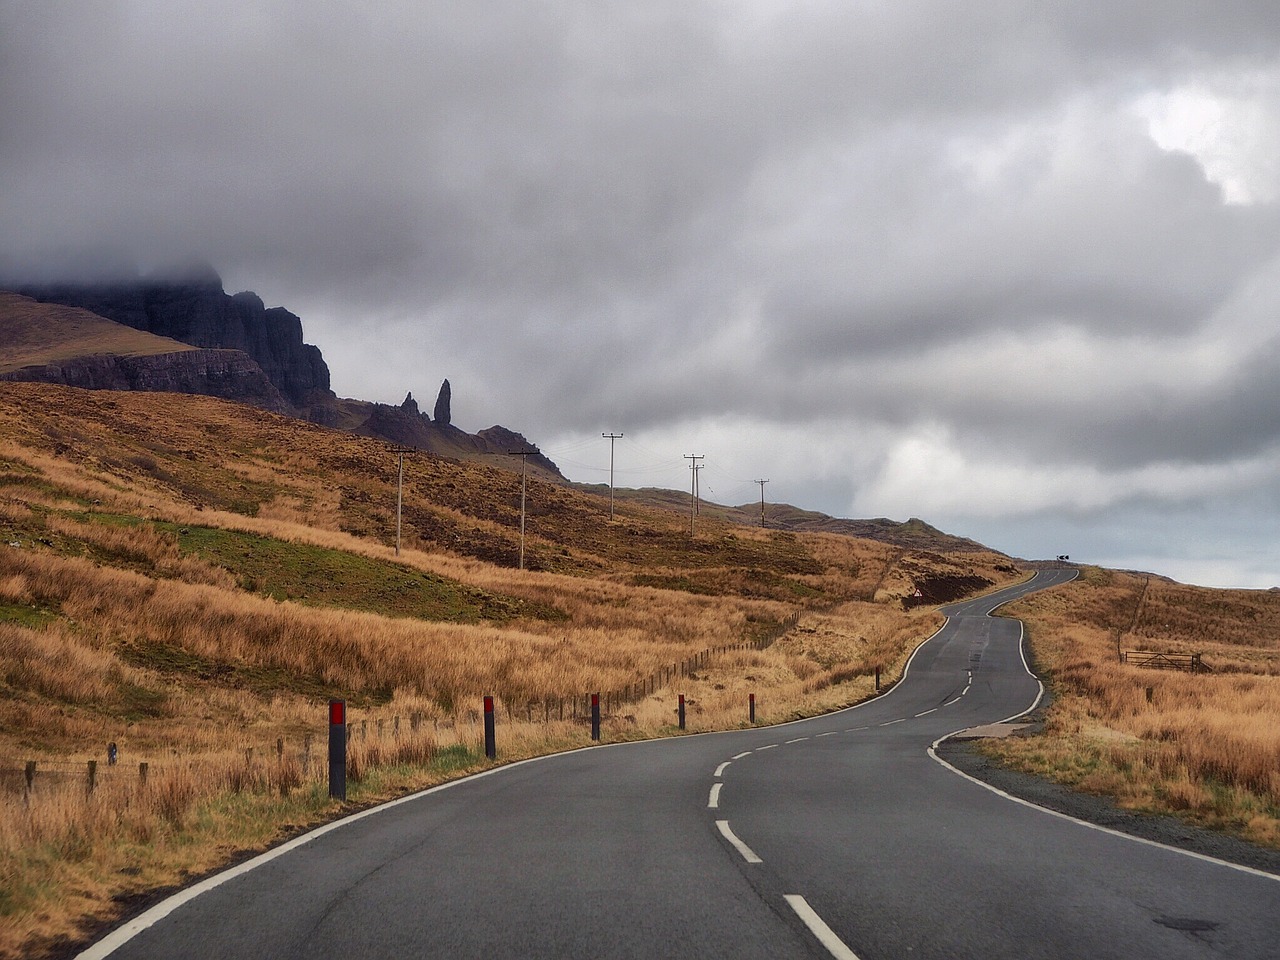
<point x="400" y="452"/>
<point x="693" y="459"/>
<point x="611" y="437"/>
<point x="524" y="456"/>
<point x="762" y="483"/>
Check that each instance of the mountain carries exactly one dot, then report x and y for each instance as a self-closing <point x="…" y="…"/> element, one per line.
<point x="192" y="308"/>
<point x="49" y="343"/>
<point x="180" y="332"/>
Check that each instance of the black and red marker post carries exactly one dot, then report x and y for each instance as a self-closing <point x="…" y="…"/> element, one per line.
<point x="490" y="737"/>
<point x="338" y="749"/>
<point x="681" y="711"/>
<point x="751" y="707"/>
<point x="595" y="716"/>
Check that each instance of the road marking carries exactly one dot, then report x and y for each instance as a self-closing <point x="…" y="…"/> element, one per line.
<point x="797" y="739"/>
<point x="965" y="690"/>
<point x="747" y="853"/>
<point x="927" y="712"/>
<point x="720" y="769"/>
<point x="713" y="801"/>
<point x="741" y="755"/>
<point x="829" y="733"/>
<point x="818" y="927"/>
<point x="890" y="723"/>
<point x="856" y="729"/>
<point x="767" y="746"/>
<point x="1085" y="823"/>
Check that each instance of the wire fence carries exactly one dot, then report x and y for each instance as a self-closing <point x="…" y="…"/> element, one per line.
<point x="372" y="740"/>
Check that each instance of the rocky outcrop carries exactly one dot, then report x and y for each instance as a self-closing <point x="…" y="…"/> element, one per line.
<point x="442" y="413"/>
<point x="505" y="441"/>
<point x="230" y="374"/>
<point x="193" y="308"/>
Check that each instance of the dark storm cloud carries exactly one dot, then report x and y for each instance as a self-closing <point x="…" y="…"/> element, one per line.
<point x="675" y="213"/>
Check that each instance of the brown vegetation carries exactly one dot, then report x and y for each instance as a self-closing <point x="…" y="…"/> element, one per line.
<point x="191" y="580"/>
<point x="1204" y="746"/>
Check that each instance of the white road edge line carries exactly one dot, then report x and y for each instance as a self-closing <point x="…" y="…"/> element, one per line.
<point x="747" y="853"/>
<point x="713" y="801"/>
<point x="127" y="931"/>
<point x="1064" y="816"/>
<point x="720" y="769"/>
<point x="1093" y="826"/>
<point x="818" y="927"/>
<point x="739" y="756"/>
<point x="927" y="712"/>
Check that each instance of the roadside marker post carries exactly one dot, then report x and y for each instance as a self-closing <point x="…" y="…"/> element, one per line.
<point x="338" y="749"/>
<point x="682" y="711"/>
<point x="490" y="736"/>
<point x="877" y="678"/>
<point x="751" y="707"/>
<point x="595" y="716"/>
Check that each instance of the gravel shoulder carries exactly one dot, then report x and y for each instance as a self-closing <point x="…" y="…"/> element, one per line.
<point x="1171" y="831"/>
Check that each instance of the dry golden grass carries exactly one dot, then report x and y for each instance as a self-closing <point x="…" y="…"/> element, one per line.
<point x="113" y="628"/>
<point x="43" y="333"/>
<point x="1206" y="746"/>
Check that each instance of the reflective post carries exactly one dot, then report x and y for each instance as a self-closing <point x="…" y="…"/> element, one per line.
<point x="338" y="749"/>
<point x="681" y="711"/>
<point x="751" y="707"/>
<point x="595" y="716"/>
<point x="490" y="736"/>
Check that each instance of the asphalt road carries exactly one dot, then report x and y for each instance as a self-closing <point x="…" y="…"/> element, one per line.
<point x="838" y="836"/>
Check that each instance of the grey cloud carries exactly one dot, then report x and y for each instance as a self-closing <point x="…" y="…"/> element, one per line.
<point x="667" y="211"/>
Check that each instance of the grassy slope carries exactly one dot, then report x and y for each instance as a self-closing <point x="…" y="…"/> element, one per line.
<point x="1204" y="747"/>
<point x="181" y="572"/>
<point x="39" y="333"/>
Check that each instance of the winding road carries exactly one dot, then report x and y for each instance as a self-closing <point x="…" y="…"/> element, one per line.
<point x="838" y="836"/>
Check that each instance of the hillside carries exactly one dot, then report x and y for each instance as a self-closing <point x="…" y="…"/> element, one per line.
<point x="190" y="580"/>
<point x="37" y="334"/>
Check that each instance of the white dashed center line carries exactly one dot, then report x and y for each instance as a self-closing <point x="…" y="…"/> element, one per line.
<point x="720" y="769"/>
<point x="829" y="733"/>
<point x="890" y="723"/>
<point x="768" y="746"/>
<point x="818" y="927"/>
<point x="927" y="712"/>
<point x="797" y="739"/>
<point x="714" y="800"/>
<point x="741" y="755"/>
<point x="747" y="853"/>
<point x="952" y="700"/>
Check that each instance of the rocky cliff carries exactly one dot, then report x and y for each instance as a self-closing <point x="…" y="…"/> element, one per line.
<point x="192" y="307"/>
<point x="230" y="374"/>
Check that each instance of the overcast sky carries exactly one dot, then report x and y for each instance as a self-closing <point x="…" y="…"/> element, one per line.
<point x="1012" y="268"/>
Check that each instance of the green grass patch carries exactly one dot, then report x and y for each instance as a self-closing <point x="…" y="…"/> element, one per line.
<point x="26" y="615"/>
<point x="264" y="681"/>
<point x="321" y="576"/>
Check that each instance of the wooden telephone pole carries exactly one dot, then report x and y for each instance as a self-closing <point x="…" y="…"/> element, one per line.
<point x="694" y="467"/>
<point x="762" y="483"/>
<point x="400" y="452"/>
<point x="524" y="456"/>
<point x="611" y="437"/>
